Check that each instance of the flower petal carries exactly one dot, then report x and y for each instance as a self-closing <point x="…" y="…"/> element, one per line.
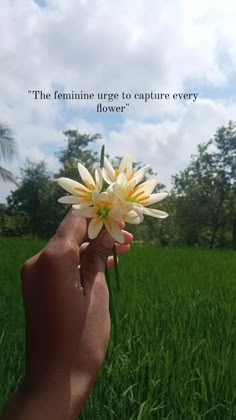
<point x="119" y="192"/>
<point x="82" y="206"/>
<point x="103" y="196"/>
<point x="116" y="214"/>
<point x="85" y="175"/>
<point x="70" y="185"/>
<point x="121" y="179"/>
<point x="109" y="169"/>
<point x="155" y="198"/>
<point x="140" y="174"/>
<point x="83" y="211"/>
<point x="126" y="165"/>
<point x="106" y="177"/>
<point x="114" y="230"/>
<point x="155" y="213"/>
<point x="94" y="228"/>
<point x="133" y="218"/>
<point x="98" y="179"/>
<point x="70" y="199"/>
<point x="148" y="186"/>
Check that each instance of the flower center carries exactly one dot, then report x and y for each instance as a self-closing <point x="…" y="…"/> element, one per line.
<point x="84" y="194"/>
<point x="137" y="196"/>
<point x="133" y="200"/>
<point x="103" y="211"/>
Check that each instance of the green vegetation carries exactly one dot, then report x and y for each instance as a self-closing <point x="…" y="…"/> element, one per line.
<point x="201" y="204"/>
<point x="175" y="356"/>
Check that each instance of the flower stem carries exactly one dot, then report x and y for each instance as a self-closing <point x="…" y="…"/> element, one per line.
<point x="111" y="306"/>
<point x="111" y="300"/>
<point x="102" y="156"/>
<point x="116" y="267"/>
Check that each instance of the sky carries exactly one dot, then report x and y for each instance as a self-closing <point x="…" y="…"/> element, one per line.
<point x="127" y="47"/>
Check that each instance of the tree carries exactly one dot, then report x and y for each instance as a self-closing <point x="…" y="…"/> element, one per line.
<point x="206" y="204"/>
<point x="36" y="199"/>
<point x="7" y="150"/>
<point x="77" y="151"/>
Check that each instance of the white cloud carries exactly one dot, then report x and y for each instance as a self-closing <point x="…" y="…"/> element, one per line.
<point x="135" y="46"/>
<point x="168" y="145"/>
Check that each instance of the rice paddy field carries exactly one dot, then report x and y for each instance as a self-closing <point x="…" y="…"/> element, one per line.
<point x="175" y="353"/>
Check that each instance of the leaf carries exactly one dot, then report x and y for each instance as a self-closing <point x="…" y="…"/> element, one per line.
<point x="7" y="142"/>
<point x="102" y="156"/>
<point x="7" y="176"/>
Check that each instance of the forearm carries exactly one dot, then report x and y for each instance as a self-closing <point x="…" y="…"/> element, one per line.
<point x="53" y="400"/>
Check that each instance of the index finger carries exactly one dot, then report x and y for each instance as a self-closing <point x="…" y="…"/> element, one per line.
<point x="72" y="228"/>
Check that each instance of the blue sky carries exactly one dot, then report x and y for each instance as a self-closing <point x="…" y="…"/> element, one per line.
<point x="109" y="46"/>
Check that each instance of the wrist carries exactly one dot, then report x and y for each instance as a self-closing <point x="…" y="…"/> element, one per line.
<point x="59" y="395"/>
<point x="59" y="387"/>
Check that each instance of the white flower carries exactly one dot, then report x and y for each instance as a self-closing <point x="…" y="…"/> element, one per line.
<point x="125" y="199"/>
<point x="81" y="194"/>
<point x="140" y="195"/>
<point x="111" y="174"/>
<point x="106" y="211"/>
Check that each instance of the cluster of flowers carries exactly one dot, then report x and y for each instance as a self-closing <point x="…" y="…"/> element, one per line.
<point x="125" y="198"/>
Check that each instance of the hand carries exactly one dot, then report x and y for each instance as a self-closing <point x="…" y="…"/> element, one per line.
<point x="67" y="318"/>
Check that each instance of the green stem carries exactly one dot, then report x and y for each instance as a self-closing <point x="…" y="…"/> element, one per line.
<point x="102" y="156"/>
<point x="111" y="300"/>
<point x="111" y="306"/>
<point x="116" y="267"/>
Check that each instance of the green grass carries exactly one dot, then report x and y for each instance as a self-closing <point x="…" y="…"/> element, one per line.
<point x="175" y="356"/>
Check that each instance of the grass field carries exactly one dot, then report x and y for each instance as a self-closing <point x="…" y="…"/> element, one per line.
<point x="175" y="356"/>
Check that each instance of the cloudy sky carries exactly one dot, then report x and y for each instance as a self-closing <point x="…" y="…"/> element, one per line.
<point x="110" y="46"/>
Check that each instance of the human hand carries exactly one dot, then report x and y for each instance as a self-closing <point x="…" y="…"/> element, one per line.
<point x="67" y="317"/>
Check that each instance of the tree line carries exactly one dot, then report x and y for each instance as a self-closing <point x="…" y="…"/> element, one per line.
<point x="201" y="203"/>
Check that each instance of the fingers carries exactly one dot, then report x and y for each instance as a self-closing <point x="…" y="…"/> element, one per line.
<point x="73" y="228"/>
<point x="128" y="238"/>
<point x="120" y="248"/>
<point x="110" y="262"/>
<point x="95" y="255"/>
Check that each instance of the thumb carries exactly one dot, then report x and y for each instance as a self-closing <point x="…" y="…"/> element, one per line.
<point x="94" y="258"/>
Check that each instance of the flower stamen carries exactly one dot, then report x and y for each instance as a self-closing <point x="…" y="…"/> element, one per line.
<point x="91" y="187"/>
<point x="131" y="175"/>
<point x="146" y="197"/>
<point x="81" y="190"/>
<point x="138" y="195"/>
<point x="116" y="173"/>
<point x="109" y="223"/>
<point x="132" y="192"/>
<point x="108" y="203"/>
<point x="98" y="219"/>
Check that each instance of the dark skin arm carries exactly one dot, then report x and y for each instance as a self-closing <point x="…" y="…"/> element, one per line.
<point x="67" y="323"/>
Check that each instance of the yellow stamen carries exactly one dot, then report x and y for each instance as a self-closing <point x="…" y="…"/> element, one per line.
<point x="88" y="185"/>
<point x="84" y="197"/>
<point x="131" y="175"/>
<point x="98" y="219"/>
<point x="116" y="173"/>
<point x="81" y="190"/>
<point x="109" y="223"/>
<point x="125" y="170"/>
<point x="87" y="198"/>
<point x="132" y="192"/>
<point x="94" y="211"/>
<point x="108" y="203"/>
<point x="146" y="197"/>
<point x="138" y="195"/>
